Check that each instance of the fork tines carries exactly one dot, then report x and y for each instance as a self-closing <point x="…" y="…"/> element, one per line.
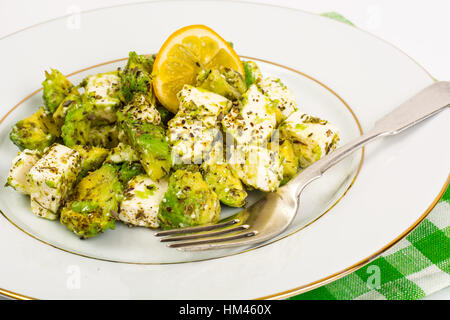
<point x="204" y="235"/>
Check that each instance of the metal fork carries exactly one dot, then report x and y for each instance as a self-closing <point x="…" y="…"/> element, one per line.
<point x="271" y="215"/>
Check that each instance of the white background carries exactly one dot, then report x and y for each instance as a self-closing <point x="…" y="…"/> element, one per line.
<point x="417" y="27"/>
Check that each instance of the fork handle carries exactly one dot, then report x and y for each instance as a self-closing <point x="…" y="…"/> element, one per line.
<point x="421" y="106"/>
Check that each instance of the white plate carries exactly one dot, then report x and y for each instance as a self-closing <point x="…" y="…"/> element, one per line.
<point x="336" y="72"/>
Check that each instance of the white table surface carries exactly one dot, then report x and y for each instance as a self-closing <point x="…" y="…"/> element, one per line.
<point x="419" y="28"/>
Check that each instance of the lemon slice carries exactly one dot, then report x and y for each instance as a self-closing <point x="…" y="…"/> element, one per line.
<point x="180" y="59"/>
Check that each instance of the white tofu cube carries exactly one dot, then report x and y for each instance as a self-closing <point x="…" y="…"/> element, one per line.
<point x="52" y="177"/>
<point x="195" y="127"/>
<point x="257" y="167"/>
<point x="40" y="211"/>
<point x="197" y="102"/>
<point x="311" y="137"/>
<point x="141" y="201"/>
<point x="21" y="165"/>
<point x="254" y="121"/>
<point x="278" y="94"/>
<point x="103" y="89"/>
<point x="191" y="139"/>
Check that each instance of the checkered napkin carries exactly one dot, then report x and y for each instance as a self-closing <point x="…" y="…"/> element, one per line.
<point x="414" y="268"/>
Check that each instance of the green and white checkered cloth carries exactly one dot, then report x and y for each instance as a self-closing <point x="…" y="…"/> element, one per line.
<point x="414" y="268"/>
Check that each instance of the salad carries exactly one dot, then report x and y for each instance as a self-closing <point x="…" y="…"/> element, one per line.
<point x="164" y="141"/>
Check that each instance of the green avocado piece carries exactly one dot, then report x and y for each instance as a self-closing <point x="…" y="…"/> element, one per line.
<point x="76" y="127"/>
<point x="224" y="81"/>
<point x="150" y="142"/>
<point x="55" y="88"/>
<point x="80" y="128"/>
<point x="84" y="206"/>
<point x="289" y="160"/>
<point x="72" y="99"/>
<point x="136" y="79"/>
<point x="164" y="114"/>
<point x="252" y="72"/>
<point x="105" y="136"/>
<point x="188" y="201"/>
<point x="185" y="166"/>
<point x="129" y="170"/>
<point x="126" y="157"/>
<point x="225" y="184"/>
<point x="91" y="158"/>
<point x="94" y="202"/>
<point x="136" y="76"/>
<point x="36" y="132"/>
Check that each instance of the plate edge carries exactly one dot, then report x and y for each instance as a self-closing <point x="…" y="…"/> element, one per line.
<point x="313" y="285"/>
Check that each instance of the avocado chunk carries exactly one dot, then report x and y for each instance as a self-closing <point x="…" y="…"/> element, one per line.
<point x="36" y="132"/>
<point x="226" y="185"/>
<point x="91" y="158"/>
<point x="224" y="81"/>
<point x="252" y="72"/>
<point x="72" y="99"/>
<point x="289" y="160"/>
<point x="186" y="166"/>
<point x="76" y="127"/>
<point x="129" y="170"/>
<point x="81" y="128"/>
<point x="136" y="76"/>
<point x="55" y="88"/>
<point x="164" y="114"/>
<point x="94" y="202"/>
<point x="125" y="156"/>
<point x="222" y="180"/>
<point x="149" y="141"/>
<point x="188" y="201"/>
<point x="104" y="136"/>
